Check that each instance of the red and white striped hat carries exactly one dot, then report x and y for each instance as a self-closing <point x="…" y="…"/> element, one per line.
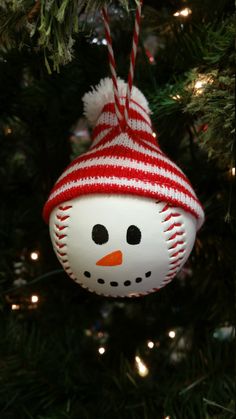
<point x="123" y="161"/>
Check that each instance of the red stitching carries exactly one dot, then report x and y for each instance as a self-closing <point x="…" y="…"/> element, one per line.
<point x="176" y="214"/>
<point x="60" y="227"/>
<point x="177" y="253"/>
<point x="60" y="236"/>
<point x="173" y="226"/>
<point x="176" y="262"/>
<point x="60" y="245"/>
<point x="166" y="207"/>
<point x="61" y="254"/>
<point x="176" y="244"/>
<point x="62" y="217"/>
<point x="65" y="208"/>
<point x="173" y="269"/>
<point x="178" y="256"/>
<point x="178" y="233"/>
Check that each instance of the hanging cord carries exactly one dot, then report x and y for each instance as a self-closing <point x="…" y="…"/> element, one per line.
<point x="133" y="60"/>
<point x="112" y="65"/>
<point x="132" y="63"/>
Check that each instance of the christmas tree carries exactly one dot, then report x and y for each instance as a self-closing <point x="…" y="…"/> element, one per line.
<point x="69" y="353"/>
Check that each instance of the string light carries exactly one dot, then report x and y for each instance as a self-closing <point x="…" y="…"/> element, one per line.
<point x="99" y="41"/>
<point x="88" y="332"/>
<point x="34" y="298"/>
<point x="167" y="417"/>
<point x="101" y="350"/>
<point x="8" y="131"/>
<point x="15" y="307"/>
<point x="171" y="334"/>
<point x="233" y="171"/>
<point x="184" y="12"/>
<point x="150" y="344"/>
<point x="176" y="97"/>
<point x="141" y="367"/>
<point x="34" y="255"/>
<point x="200" y="83"/>
<point x="154" y="134"/>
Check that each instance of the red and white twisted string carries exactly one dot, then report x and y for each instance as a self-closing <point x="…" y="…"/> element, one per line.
<point x="132" y="63"/>
<point x="133" y="59"/>
<point x="112" y="64"/>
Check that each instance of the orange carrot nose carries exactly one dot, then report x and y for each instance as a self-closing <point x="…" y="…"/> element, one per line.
<point x="112" y="259"/>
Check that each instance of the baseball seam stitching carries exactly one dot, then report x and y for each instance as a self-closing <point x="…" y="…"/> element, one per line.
<point x="60" y="237"/>
<point x="61" y="224"/>
<point x="175" y="239"/>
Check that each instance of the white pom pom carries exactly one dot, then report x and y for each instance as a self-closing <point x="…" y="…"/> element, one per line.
<point x="101" y="94"/>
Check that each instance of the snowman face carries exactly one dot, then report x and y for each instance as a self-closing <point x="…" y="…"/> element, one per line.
<point x="120" y="245"/>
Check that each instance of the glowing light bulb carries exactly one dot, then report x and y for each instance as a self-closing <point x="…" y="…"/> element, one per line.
<point x="154" y="134"/>
<point x="101" y="350"/>
<point x="171" y="334"/>
<point x="150" y="344"/>
<point x="141" y="367"/>
<point x="34" y="255"/>
<point x="15" y="307"/>
<point x="167" y="417"/>
<point x="184" y="12"/>
<point x="198" y="84"/>
<point x="233" y="171"/>
<point x="34" y="298"/>
<point x="8" y="130"/>
<point x="176" y="97"/>
<point x="88" y="332"/>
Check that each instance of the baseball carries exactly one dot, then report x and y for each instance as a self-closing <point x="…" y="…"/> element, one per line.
<point x="121" y="245"/>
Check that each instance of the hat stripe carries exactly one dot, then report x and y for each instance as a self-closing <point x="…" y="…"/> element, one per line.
<point x="130" y="146"/>
<point x="101" y="134"/>
<point x="135" y="106"/>
<point x="113" y="133"/>
<point x="114" y="171"/>
<point x="130" y="186"/>
<point x="122" y="153"/>
<point x="153" y="146"/>
<point x="124" y="161"/>
<point x="140" y="124"/>
<point x="115" y="162"/>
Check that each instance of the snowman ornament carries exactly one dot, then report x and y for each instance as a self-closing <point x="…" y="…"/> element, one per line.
<point x="123" y="217"/>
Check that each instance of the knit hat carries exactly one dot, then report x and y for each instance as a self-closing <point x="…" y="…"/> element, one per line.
<point x="123" y="161"/>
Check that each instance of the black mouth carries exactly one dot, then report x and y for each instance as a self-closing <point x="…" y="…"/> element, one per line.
<point x="126" y="283"/>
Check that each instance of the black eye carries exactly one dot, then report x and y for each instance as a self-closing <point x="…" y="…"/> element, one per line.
<point x="133" y="235"/>
<point x="100" y="234"/>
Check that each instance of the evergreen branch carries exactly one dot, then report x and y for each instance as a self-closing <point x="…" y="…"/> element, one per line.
<point x="194" y="384"/>
<point x="34" y="281"/>
<point x="55" y="23"/>
<point x="33" y="13"/>
<point x="211" y="403"/>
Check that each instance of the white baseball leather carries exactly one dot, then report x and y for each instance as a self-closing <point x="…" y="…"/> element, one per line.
<point x="167" y="238"/>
